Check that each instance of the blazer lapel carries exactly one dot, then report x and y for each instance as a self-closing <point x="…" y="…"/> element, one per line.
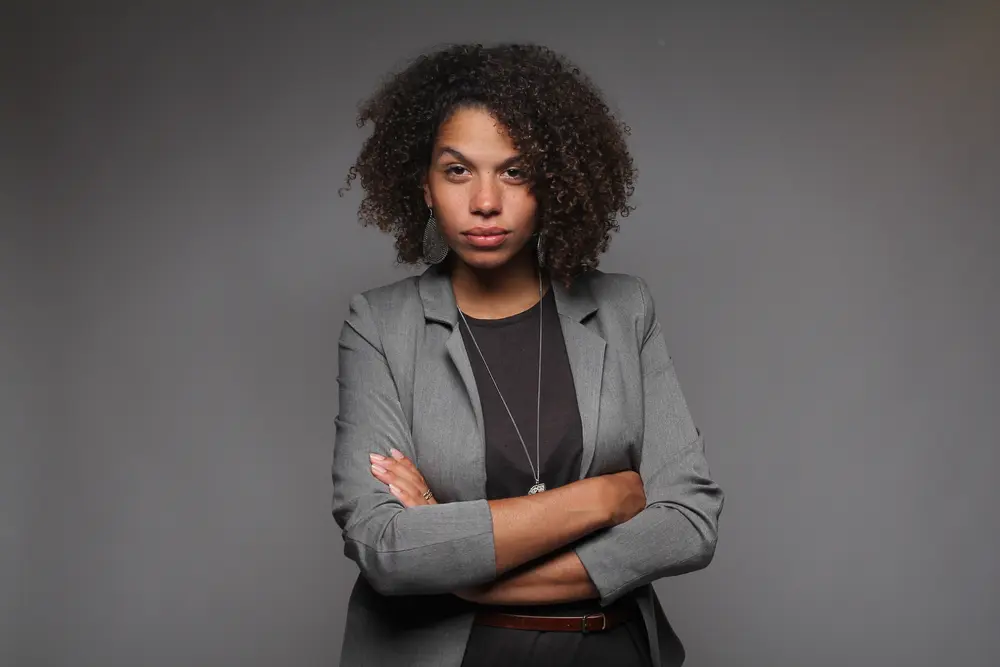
<point x="439" y="306"/>
<point x="460" y="357"/>
<point x="585" y="350"/>
<point x="469" y="477"/>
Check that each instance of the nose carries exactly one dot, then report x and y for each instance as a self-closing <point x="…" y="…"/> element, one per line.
<point x="486" y="198"/>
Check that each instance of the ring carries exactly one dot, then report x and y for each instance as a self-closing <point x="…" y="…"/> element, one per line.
<point x="427" y="494"/>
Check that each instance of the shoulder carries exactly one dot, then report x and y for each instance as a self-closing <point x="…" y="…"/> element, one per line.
<point x="373" y="310"/>
<point x="624" y="294"/>
<point x="607" y="286"/>
<point x="391" y="297"/>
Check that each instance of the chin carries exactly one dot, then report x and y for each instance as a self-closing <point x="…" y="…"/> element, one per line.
<point x="485" y="261"/>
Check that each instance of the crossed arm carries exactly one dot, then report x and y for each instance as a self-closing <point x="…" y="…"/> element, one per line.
<point x="543" y="547"/>
<point x="559" y="577"/>
<point x="523" y="526"/>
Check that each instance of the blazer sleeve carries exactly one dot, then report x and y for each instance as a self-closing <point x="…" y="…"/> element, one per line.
<point x="677" y="531"/>
<point x="426" y="549"/>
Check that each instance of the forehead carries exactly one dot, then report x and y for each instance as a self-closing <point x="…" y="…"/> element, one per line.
<point x="472" y="130"/>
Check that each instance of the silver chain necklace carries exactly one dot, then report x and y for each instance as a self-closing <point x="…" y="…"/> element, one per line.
<point x="538" y="486"/>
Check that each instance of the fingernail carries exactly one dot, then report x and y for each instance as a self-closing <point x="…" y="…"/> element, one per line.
<point x="376" y="457"/>
<point x="377" y="468"/>
<point x="394" y="489"/>
<point x="396" y="454"/>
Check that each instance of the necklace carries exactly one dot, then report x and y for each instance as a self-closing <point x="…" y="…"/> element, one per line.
<point x="538" y="486"/>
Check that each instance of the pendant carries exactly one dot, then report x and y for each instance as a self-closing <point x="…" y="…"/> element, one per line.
<point x="537" y="488"/>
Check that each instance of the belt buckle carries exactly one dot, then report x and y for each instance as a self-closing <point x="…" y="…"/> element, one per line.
<point x="583" y="623"/>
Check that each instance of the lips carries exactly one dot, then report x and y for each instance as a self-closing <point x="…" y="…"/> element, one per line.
<point x="486" y="231"/>
<point x="486" y="237"/>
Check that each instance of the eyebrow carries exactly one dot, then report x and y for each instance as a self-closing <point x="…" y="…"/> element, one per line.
<point x="514" y="159"/>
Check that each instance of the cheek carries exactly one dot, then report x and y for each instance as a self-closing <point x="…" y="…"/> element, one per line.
<point x="524" y="207"/>
<point x="450" y="206"/>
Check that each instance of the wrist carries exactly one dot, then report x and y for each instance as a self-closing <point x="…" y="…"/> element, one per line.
<point x="601" y="499"/>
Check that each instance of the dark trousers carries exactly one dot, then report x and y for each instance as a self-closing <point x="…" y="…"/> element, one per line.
<point x="626" y="645"/>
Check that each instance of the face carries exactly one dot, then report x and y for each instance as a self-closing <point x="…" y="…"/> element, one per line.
<point x="478" y="190"/>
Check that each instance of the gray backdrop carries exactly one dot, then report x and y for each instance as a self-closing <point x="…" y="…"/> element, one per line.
<point x="818" y="204"/>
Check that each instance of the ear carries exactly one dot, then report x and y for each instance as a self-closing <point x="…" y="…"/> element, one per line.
<point x="427" y="193"/>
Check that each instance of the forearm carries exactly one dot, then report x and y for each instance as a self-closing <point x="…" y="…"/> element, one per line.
<point x="528" y="527"/>
<point x="560" y="578"/>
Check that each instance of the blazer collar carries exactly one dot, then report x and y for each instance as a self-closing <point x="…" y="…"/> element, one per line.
<point x="575" y="302"/>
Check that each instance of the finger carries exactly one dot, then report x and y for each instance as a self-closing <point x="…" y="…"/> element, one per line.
<point x="389" y="472"/>
<point x="391" y="476"/>
<point x="395" y="456"/>
<point x="405" y="477"/>
<point x="399" y="470"/>
<point x="409" y="475"/>
<point x="383" y="468"/>
<point x="401" y="458"/>
<point x="410" y="494"/>
<point x="381" y="474"/>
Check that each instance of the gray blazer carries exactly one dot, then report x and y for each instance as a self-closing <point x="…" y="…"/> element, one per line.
<point x="406" y="382"/>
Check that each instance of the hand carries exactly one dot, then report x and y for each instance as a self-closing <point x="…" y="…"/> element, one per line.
<point x="404" y="480"/>
<point x="625" y="495"/>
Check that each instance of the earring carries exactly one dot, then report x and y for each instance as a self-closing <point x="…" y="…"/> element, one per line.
<point x="435" y="247"/>
<point x="540" y="249"/>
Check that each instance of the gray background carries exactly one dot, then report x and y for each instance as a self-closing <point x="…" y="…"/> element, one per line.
<point x="818" y="204"/>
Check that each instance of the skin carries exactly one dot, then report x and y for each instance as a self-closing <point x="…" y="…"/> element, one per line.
<point x="473" y="180"/>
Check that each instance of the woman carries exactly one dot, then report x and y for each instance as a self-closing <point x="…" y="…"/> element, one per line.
<point x="514" y="462"/>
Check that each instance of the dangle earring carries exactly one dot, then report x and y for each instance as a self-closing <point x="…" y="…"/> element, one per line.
<point x="540" y="249"/>
<point x="435" y="248"/>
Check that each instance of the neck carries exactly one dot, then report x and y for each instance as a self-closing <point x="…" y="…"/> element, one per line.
<point x="495" y="293"/>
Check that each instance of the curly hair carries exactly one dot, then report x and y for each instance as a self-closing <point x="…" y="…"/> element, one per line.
<point x="574" y="148"/>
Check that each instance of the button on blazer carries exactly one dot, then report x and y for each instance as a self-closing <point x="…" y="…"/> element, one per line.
<point x="405" y="381"/>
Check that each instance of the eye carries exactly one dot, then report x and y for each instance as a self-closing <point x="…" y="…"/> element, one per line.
<point x="516" y="173"/>
<point x="455" y="170"/>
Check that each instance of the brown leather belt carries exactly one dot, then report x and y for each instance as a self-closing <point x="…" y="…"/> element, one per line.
<point x="611" y="617"/>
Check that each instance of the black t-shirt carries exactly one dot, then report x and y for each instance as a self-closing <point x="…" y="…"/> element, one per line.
<point x="510" y="346"/>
